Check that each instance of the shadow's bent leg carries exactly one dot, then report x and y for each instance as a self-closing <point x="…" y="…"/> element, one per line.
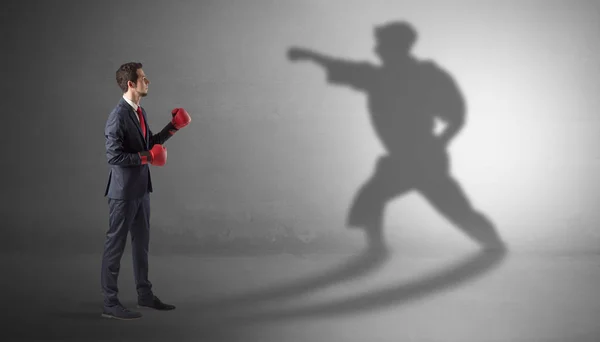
<point x="368" y="207"/>
<point x="448" y="198"/>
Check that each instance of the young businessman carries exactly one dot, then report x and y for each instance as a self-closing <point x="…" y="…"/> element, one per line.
<point x="130" y="148"/>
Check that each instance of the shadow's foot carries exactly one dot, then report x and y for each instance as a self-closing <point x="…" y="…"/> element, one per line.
<point x="481" y="230"/>
<point x="375" y="242"/>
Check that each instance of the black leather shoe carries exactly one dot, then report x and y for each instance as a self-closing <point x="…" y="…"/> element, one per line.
<point x="154" y="303"/>
<point x="120" y="312"/>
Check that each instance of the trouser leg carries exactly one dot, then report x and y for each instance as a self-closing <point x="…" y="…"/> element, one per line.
<point x="140" y="242"/>
<point x="120" y="219"/>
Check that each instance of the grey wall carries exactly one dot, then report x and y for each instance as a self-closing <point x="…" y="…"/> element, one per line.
<point x="275" y="151"/>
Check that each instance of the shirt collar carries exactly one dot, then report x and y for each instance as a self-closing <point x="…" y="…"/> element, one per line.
<point x="135" y="107"/>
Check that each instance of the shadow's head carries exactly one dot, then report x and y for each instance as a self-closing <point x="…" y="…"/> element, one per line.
<point x="394" y="41"/>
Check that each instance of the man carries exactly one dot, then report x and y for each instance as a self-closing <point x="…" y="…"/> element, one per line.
<point x="130" y="148"/>
<point x="405" y="96"/>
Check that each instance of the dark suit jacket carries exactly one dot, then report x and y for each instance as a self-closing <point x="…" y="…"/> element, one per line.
<point x="128" y="178"/>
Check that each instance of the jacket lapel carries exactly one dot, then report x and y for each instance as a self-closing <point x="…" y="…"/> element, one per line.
<point x="133" y="116"/>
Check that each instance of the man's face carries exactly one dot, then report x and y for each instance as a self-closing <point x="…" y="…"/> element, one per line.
<point x="141" y="87"/>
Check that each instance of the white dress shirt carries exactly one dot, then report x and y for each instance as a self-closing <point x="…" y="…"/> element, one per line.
<point x="135" y="107"/>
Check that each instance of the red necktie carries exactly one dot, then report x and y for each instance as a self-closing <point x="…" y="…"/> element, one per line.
<point x="141" y="116"/>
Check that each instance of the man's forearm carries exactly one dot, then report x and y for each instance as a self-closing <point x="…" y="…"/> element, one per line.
<point x="123" y="158"/>
<point x="115" y="153"/>
<point x="165" y="134"/>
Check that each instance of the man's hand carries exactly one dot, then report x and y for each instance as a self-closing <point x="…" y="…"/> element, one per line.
<point x="181" y="118"/>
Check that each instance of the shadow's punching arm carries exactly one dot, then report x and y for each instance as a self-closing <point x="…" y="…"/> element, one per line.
<point x="358" y="75"/>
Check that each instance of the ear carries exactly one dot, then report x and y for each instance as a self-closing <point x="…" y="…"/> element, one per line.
<point x="130" y="84"/>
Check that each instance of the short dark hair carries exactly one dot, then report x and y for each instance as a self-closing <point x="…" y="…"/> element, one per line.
<point x="127" y="72"/>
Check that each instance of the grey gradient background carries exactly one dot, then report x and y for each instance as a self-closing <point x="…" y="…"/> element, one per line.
<point x="275" y="153"/>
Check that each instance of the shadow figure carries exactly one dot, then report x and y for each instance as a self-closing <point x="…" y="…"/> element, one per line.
<point x="406" y="96"/>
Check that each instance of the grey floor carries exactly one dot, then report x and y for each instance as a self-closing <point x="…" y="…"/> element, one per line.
<point x="459" y="296"/>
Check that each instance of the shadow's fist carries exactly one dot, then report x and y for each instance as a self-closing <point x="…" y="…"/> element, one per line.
<point x="296" y="54"/>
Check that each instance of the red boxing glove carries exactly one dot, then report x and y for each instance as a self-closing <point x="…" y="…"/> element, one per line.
<point x="181" y="118"/>
<point x="157" y="155"/>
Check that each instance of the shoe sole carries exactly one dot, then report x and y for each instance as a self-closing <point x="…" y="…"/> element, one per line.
<point x="151" y="308"/>
<point x="119" y="318"/>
